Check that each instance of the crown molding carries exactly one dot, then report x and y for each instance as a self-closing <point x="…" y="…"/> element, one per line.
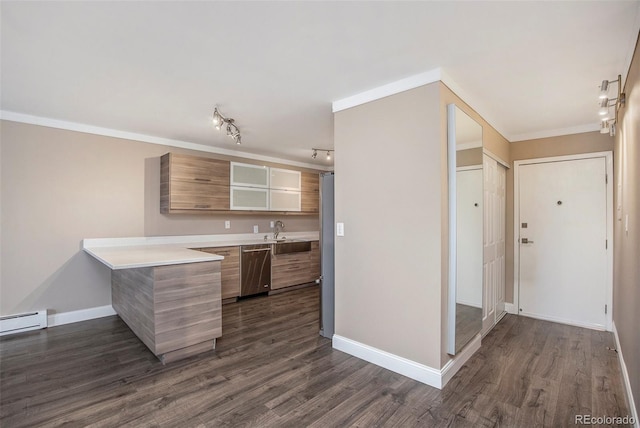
<point x="115" y="133"/>
<point x="580" y="129"/>
<point x="392" y="88"/>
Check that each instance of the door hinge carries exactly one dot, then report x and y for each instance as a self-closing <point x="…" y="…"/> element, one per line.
<point x="606" y="244"/>
<point x="606" y="179"/>
<point x="605" y="309"/>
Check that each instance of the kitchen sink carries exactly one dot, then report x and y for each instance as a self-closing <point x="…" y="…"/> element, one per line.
<point x="288" y="246"/>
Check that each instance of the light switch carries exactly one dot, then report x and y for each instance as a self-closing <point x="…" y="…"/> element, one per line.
<point x="227" y="224"/>
<point x="255" y="228"/>
<point x="271" y="224"/>
<point x="626" y="223"/>
<point x="340" y="229"/>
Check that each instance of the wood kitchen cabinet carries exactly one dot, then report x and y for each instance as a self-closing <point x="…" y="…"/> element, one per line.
<point x="174" y="309"/>
<point x="230" y="269"/>
<point x="310" y="194"/>
<point x="200" y="185"/>
<point x="190" y="184"/>
<point x="292" y="269"/>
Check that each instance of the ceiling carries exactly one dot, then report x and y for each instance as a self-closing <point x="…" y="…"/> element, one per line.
<point x="158" y="68"/>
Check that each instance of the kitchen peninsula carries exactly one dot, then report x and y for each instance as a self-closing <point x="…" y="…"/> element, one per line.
<point x="169" y="293"/>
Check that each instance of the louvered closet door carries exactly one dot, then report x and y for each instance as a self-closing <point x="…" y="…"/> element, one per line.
<point x="494" y="242"/>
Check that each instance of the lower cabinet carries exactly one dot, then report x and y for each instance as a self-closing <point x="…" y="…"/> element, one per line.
<point x="230" y="269"/>
<point x="288" y="270"/>
<point x="174" y="310"/>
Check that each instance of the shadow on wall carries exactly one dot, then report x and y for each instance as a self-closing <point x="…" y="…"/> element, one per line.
<point x="53" y="292"/>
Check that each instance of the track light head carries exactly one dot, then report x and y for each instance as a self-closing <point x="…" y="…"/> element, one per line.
<point x="604" y="89"/>
<point x="217" y="119"/>
<point x="232" y="129"/>
<point x="604" y="107"/>
<point x="315" y="150"/>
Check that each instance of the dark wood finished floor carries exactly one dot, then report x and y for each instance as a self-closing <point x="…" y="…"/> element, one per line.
<point x="272" y="369"/>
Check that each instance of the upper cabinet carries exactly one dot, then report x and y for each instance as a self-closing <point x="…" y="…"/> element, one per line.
<point x="193" y="184"/>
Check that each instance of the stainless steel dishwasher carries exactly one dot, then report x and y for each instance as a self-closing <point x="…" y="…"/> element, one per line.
<point x="255" y="269"/>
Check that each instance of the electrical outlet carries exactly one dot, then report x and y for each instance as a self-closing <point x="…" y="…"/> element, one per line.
<point x="255" y="228"/>
<point x="271" y="224"/>
<point x="340" y="229"/>
<point x="227" y="224"/>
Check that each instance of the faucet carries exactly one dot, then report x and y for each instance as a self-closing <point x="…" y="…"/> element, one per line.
<point x="277" y="228"/>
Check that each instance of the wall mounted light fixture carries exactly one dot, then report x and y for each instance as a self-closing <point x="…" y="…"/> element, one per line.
<point x="315" y="153"/>
<point x="608" y="119"/>
<point x="219" y="121"/>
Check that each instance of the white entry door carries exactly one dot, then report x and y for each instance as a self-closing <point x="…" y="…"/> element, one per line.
<point x="469" y="237"/>
<point x="563" y="241"/>
<point x="493" y="243"/>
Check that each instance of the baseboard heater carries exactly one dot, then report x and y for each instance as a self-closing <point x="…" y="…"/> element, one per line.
<point x="18" y="323"/>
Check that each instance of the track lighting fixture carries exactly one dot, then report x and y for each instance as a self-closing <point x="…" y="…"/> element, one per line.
<point x="315" y="153"/>
<point x="232" y="129"/>
<point x="608" y="123"/>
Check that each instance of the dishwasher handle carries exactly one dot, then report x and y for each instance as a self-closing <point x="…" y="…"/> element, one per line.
<point x="257" y="249"/>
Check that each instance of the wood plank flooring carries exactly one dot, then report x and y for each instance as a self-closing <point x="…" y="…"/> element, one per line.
<point x="271" y="369"/>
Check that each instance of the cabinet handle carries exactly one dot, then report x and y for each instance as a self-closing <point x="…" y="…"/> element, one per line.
<point x="202" y="179"/>
<point x="202" y="206"/>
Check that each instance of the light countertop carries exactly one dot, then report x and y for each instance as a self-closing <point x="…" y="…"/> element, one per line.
<point x="127" y="253"/>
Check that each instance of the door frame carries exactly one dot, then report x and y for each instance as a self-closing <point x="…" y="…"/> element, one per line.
<point x="609" y="207"/>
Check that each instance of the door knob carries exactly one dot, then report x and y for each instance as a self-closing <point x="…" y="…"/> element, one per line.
<point x="526" y="241"/>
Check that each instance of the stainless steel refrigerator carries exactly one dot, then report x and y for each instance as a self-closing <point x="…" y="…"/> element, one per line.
<point x="327" y="240"/>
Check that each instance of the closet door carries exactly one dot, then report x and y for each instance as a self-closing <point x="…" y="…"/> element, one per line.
<point x="494" y="243"/>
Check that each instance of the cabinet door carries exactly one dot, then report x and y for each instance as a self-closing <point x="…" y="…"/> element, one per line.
<point x="199" y="169"/>
<point x="310" y="194"/>
<point x="246" y="175"/>
<point x="285" y="179"/>
<point x="193" y="184"/>
<point x="314" y="262"/>
<point x="289" y="269"/>
<point x="250" y="199"/>
<point x="230" y="268"/>
<point x="284" y="200"/>
<point x="198" y="196"/>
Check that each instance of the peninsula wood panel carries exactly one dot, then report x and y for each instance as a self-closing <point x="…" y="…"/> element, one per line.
<point x="173" y="309"/>
<point x="230" y="269"/>
<point x="193" y="183"/>
<point x="132" y="299"/>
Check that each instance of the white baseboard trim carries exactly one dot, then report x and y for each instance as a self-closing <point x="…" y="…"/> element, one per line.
<point x="625" y="376"/>
<point x="80" y="315"/>
<point x="437" y="378"/>
<point x="565" y="321"/>
<point x="510" y="308"/>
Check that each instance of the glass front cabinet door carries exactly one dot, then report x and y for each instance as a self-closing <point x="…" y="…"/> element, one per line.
<point x="246" y="175"/>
